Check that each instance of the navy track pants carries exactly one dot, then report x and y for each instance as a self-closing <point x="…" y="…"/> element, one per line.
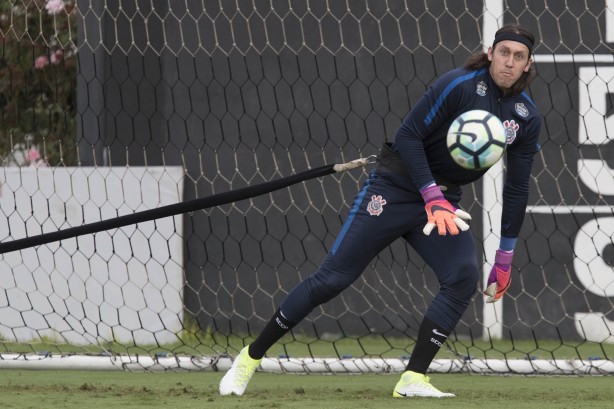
<point x="385" y="209"/>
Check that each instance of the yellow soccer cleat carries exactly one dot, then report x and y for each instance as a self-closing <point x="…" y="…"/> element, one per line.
<point x="238" y="376"/>
<point x="416" y="384"/>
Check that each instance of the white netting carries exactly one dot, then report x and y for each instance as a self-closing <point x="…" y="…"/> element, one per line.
<point x="107" y="108"/>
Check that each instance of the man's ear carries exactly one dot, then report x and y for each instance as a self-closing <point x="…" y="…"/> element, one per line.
<point x="528" y="66"/>
<point x="490" y="51"/>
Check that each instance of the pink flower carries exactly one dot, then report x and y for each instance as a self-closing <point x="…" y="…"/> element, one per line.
<point x="57" y="56"/>
<point x="41" y="62"/>
<point x="54" y="6"/>
<point x="33" y="155"/>
<point x="34" y="159"/>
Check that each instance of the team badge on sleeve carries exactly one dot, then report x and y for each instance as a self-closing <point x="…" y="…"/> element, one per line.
<point x="481" y="88"/>
<point x="521" y="109"/>
<point x="376" y="205"/>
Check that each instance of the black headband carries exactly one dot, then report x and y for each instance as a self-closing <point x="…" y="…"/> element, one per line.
<point x="514" y="37"/>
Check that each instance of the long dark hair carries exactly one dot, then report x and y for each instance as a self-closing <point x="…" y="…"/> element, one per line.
<point x="480" y="60"/>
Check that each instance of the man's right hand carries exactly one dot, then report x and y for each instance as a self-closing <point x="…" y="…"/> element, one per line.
<point x="446" y="217"/>
<point x="441" y="214"/>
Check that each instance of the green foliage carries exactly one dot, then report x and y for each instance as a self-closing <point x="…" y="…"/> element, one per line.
<point x="37" y="82"/>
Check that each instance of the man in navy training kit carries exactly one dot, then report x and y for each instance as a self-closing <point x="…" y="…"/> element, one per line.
<point x="415" y="188"/>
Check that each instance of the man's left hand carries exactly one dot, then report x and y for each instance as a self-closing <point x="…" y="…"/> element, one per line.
<point x="500" y="278"/>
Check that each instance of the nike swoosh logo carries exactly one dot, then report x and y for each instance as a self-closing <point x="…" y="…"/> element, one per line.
<point x="436" y="208"/>
<point x="470" y="134"/>
<point x="436" y="332"/>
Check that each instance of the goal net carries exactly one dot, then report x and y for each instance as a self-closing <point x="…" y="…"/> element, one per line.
<point x="116" y="107"/>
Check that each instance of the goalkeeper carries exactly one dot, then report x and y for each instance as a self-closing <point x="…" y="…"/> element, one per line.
<point x="415" y="189"/>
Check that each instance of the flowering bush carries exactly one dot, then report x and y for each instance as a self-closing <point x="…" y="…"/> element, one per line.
<point x="37" y="82"/>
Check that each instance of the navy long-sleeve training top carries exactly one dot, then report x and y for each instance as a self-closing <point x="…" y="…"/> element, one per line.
<point x="421" y="139"/>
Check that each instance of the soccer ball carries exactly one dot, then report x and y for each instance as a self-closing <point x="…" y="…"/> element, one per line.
<point x="476" y="140"/>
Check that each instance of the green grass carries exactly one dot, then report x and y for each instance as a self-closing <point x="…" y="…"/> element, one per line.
<point x="80" y="389"/>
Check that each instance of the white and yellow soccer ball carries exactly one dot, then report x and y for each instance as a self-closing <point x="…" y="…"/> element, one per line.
<point x="476" y="139"/>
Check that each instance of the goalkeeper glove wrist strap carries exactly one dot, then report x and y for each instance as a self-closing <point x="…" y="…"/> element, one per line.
<point x="504" y="257"/>
<point x="431" y="193"/>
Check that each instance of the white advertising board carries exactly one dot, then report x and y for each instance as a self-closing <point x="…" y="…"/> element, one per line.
<point x="123" y="285"/>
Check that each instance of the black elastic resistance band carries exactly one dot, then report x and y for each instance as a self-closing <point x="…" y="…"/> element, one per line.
<point x="169" y="210"/>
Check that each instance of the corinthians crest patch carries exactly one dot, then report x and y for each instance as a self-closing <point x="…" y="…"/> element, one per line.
<point x="376" y="205"/>
<point x="511" y="129"/>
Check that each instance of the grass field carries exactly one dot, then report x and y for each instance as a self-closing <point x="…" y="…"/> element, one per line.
<point x="80" y="389"/>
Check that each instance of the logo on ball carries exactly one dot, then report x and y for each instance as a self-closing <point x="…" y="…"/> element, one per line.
<point x="476" y="140"/>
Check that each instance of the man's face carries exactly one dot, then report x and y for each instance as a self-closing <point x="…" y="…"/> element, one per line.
<point x="509" y="59"/>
